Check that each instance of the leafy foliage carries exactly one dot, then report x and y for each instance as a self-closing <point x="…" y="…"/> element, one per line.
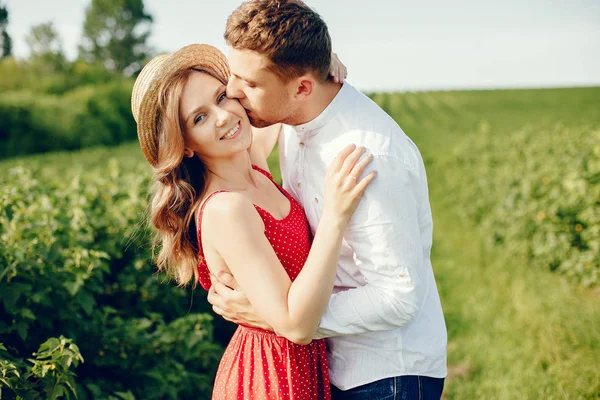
<point x="537" y="193"/>
<point x="47" y="376"/>
<point x="75" y="262"/>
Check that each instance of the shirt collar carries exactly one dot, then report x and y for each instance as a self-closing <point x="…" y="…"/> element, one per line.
<point x="320" y="120"/>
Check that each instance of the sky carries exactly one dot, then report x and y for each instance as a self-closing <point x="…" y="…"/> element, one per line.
<point x="390" y="45"/>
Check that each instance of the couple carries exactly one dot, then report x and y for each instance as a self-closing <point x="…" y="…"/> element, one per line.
<point x="332" y="272"/>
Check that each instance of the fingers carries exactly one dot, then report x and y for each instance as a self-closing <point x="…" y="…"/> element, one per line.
<point x="222" y="289"/>
<point x="218" y="297"/>
<point x="337" y="69"/>
<point x="351" y="160"/>
<point x="213" y="298"/>
<point x="219" y="311"/>
<point x="334" y="67"/>
<point x="333" y="71"/>
<point x="364" y="182"/>
<point x="342" y="73"/>
<point x="226" y="317"/>
<point x="227" y="279"/>
<point x="217" y="293"/>
<point x="337" y="162"/>
<point x="360" y="166"/>
<point x="339" y="74"/>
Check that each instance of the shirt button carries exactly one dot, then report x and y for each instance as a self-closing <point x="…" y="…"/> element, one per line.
<point x="299" y="184"/>
<point x="301" y="143"/>
<point x="316" y="200"/>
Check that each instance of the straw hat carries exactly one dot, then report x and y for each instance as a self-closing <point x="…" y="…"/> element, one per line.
<point x="158" y="71"/>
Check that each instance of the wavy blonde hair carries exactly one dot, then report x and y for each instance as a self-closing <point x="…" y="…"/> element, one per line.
<point x="179" y="184"/>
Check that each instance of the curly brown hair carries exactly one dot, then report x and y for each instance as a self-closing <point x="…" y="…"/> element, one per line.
<point x="292" y="35"/>
<point x="179" y="183"/>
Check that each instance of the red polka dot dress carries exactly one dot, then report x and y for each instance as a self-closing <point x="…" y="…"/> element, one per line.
<point x="258" y="364"/>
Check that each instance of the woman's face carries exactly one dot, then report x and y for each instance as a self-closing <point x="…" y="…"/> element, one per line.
<point x="214" y="126"/>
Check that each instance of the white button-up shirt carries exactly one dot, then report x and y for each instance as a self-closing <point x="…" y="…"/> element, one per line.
<point x="384" y="318"/>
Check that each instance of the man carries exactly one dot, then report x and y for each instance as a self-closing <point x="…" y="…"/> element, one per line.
<point x="384" y="324"/>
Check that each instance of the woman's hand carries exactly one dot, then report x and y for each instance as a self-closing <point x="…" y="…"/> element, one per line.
<point x="337" y="70"/>
<point x="343" y="190"/>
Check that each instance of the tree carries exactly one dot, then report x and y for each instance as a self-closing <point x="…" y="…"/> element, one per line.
<point x="115" y="34"/>
<point x="5" y="40"/>
<point x="45" y="46"/>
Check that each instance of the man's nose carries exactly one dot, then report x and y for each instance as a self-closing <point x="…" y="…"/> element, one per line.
<point x="233" y="90"/>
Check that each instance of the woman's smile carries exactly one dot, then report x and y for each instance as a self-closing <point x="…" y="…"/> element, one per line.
<point x="233" y="132"/>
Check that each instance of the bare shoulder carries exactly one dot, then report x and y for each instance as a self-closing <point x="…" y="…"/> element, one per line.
<point x="226" y="205"/>
<point x="228" y="211"/>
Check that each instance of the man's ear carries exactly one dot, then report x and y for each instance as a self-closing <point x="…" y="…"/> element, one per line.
<point x="304" y="88"/>
<point x="188" y="153"/>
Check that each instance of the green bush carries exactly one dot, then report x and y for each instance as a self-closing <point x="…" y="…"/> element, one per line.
<point x="66" y="106"/>
<point x="31" y="122"/>
<point x="106" y="115"/>
<point x="47" y="376"/>
<point x="51" y="78"/>
<point x="75" y="262"/>
<point x="536" y="193"/>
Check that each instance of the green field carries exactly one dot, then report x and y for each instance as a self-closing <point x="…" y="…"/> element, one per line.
<point x="514" y="181"/>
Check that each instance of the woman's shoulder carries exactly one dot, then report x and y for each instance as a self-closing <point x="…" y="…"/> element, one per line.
<point x="224" y="208"/>
<point x="229" y="216"/>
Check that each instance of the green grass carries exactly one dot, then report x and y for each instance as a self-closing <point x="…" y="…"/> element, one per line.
<point x="516" y="330"/>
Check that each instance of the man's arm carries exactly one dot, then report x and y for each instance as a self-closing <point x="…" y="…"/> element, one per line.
<point x="385" y="236"/>
<point x="229" y="301"/>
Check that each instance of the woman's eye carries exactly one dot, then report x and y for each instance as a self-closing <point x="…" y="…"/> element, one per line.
<point x="198" y="118"/>
<point x="222" y="97"/>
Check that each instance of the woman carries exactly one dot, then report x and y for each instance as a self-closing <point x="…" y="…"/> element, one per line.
<point x="216" y="207"/>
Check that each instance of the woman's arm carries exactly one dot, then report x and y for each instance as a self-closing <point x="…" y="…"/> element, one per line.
<point x="263" y="141"/>
<point x="235" y="239"/>
<point x="337" y="69"/>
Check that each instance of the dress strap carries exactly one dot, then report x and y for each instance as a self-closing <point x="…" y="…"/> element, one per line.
<point x="277" y="185"/>
<point x="262" y="171"/>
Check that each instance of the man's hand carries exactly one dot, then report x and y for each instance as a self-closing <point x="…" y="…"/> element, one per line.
<point x="231" y="303"/>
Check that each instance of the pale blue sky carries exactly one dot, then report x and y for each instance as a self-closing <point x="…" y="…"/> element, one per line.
<point x="392" y="44"/>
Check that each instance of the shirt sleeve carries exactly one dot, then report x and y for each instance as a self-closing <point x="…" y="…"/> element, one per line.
<point x="385" y="236"/>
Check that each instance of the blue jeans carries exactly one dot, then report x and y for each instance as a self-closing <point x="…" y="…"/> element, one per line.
<point x="409" y="387"/>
